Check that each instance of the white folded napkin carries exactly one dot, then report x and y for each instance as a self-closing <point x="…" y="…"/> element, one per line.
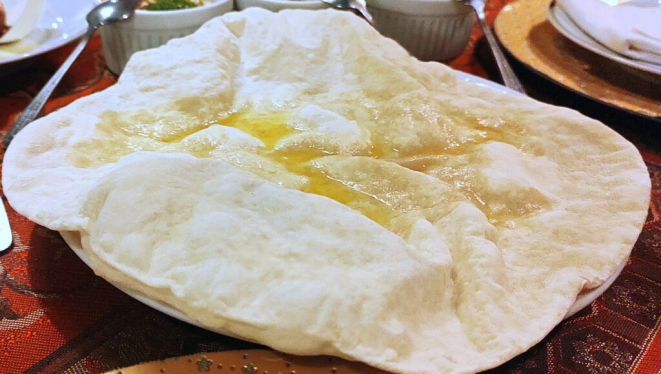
<point x="631" y="28"/>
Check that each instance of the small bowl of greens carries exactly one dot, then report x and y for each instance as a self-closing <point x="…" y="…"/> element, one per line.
<point x="154" y="23"/>
<point x="171" y="4"/>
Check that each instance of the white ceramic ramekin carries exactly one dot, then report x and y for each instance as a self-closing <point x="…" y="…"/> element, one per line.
<point x="431" y="30"/>
<point x="277" y="5"/>
<point x="150" y="29"/>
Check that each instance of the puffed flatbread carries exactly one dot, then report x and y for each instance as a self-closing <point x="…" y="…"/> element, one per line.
<point x="298" y="180"/>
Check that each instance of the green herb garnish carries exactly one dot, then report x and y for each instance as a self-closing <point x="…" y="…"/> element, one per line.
<point x="170" y="5"/>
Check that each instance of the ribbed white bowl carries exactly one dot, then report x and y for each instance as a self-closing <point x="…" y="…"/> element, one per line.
<point x="150" y="29"/>
<point x="278" y="5"/>
<point x="431" y="30"/>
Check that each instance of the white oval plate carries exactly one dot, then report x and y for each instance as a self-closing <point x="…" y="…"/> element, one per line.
<point x="567" y="27"/>
<point x="72" y="238"/>
<point x="63" y="21"/>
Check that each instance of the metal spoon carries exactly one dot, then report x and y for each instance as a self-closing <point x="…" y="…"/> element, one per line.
<point x="103" y="14"/>
<point x="358" y="5"/>
<point x="509" y="78"/>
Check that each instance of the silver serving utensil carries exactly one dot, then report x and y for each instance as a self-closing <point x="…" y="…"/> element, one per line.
<point x="103" y="14"/>
<point x="358" y="5"/>
<point x="509" y="78"/>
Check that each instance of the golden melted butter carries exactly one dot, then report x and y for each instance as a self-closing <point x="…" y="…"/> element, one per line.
<point x="447" y="165"/>
<point x="118" y="135"/>
<point x="272" y="128"/>
<point x="269" y="128"/>
<point x="370" y="206"/>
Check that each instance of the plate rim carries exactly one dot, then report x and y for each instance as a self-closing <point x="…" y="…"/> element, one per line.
<point x="57" y="44"/>
<point x="71" y="238"/>
<point x="583" y="299"/>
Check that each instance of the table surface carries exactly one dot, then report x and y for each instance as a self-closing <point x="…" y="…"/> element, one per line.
<point x="57" y="316"/>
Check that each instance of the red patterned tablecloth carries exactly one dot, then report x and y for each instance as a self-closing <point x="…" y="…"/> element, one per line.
<point x="57" y="316"/>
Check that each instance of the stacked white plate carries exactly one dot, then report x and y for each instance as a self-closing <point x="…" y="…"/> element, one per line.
<point x="567" y="27"/>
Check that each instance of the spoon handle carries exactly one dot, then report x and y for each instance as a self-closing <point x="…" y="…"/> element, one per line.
<point x="37" y="104"/>
<point x="506" y="71"/>
<point x="359" y="5"/>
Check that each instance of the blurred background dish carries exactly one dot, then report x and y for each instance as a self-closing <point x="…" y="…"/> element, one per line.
<point x="150" y="29"/>
<point x="431" y="30"/>
<point x="567" y="27"/>
<point x="526" y="33"/>
<point x="62" y="22"/>
<point x="21" y="20"/>
<point x="628" y="27"/>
